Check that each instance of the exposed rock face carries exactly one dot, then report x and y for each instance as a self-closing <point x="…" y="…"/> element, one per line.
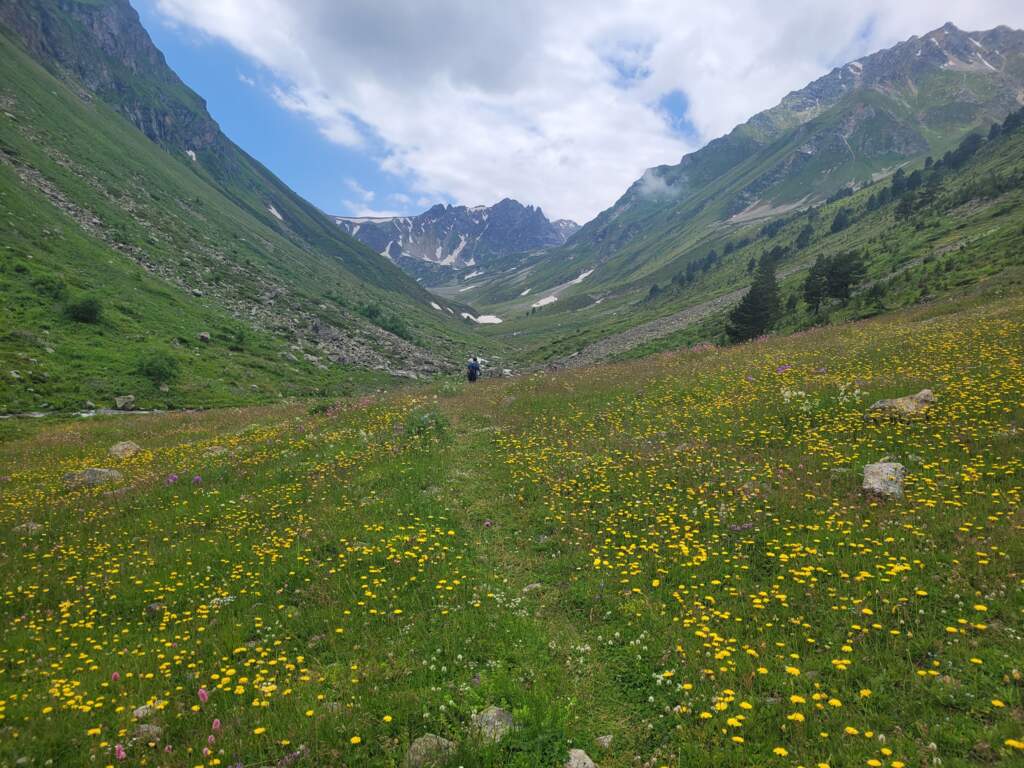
<point x="459" y="237"/>
<point x="884" y="479"/>
<point x="429" y="749"/>
<point x="493" y="723"/>
<point x="91" y="476"/>
<point x="907" y="405"/>
<point x="124" y="402"/>
<point x="579" y="759"/>
<point x="124" y="449"/>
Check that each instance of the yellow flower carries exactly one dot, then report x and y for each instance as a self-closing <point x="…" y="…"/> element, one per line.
<point x="355" y="740"/>
<point x="781" y="751"/>
<point x="865" y="692"/>
<point x="1014" y="743"/>
<point x="997" y="704"/>
<point x="259" y="730"/>
<point x="387" y="718"/>
<point x="792" y="671"/>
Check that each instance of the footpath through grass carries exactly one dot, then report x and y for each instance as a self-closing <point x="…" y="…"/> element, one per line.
<point x="674" y="552"/>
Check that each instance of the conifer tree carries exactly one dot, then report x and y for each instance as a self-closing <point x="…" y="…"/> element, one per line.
<point x="759" y="308"/>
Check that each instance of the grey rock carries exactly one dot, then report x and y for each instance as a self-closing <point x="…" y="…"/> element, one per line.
<point x="124" y="402"/>
<point x="531" y="587"/>
<point x="604" y="742"/>
<point x="29" y="528"/>
<point x="124" y="449"/>
<point x="148" y="732"/>
<point x="141" y="713"/>
<point x="905" y="406"/>
<point x="155" y="608"/>
<point x="493" y="723"/>
<point x="884" y="479"/>
<point x="90" y="405"/>
<point x="204" y="337"/>
<point x="215" y="450"/>
<point x="579" y="759"/>
<point x="91" y="476"/>
<point x="15" y="375"/>
<point x="428" y="749"/>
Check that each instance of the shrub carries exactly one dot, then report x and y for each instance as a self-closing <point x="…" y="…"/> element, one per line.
<point x="86" y="309"/>
<point x="159" y="366"/>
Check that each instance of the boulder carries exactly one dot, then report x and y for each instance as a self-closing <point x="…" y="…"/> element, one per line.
<point x="148" y="732"/>
<point x="124" y="402"/>
<point x="884" y="479"/>
<point x="215" y="450"/>
<point x="428" y="749"/>
<point x="141" y="713"/>
<point x="124" y="449"/>
<point x="91" y="476"/>
<point x="493" y="723"/>
<point x="905" y="406"/>
<point x="204" y="337"/>
<point x="604" y="742"/>
<point x="579" y="759"/>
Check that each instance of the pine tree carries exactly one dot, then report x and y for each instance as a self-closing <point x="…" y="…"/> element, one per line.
<point x="759" y="308"/>
<point x="816" y="284"/>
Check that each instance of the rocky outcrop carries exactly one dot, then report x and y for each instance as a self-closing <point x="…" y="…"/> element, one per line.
<point x="428" y="750"/>
<point x="905" y="406"/>
<point x="90" y="477"/>
<point x="884" y="479"/>
<point x="124" y="449"/>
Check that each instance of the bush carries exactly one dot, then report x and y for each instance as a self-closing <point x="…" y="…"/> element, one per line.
<point x="159" y="366"/>
<point x="85" y="310"/>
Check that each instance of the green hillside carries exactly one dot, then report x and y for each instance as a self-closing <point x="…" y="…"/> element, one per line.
<point x="960" y="220"/>
<point x="171" y="247"/>
<point x="674" y="553"/>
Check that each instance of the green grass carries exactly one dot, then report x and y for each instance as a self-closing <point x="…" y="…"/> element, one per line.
<point x="92" y="207"/>
<point x="694" y="521"/>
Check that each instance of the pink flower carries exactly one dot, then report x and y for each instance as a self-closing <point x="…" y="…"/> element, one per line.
<point x="119" y="752"/>
<point x="115" y="677"/>
<point x="211" y="739"/>
<point x="168" y="748"/>
<point x="216" y="725"/>
<point x="204" y="696"/>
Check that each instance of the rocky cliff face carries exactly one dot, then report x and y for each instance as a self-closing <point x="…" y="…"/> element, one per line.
<point x="120" y="65"/>
<point x="458" y="237"/>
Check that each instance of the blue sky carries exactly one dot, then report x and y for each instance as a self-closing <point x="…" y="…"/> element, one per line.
<point x="371" y="107"/>
<point x="238" y="95"/>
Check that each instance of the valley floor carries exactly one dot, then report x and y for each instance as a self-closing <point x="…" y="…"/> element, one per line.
<point x="674" y="552"/>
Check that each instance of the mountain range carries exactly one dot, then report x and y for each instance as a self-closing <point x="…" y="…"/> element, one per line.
<point x="445" y="240"/>
<point x="859" y="122"/>
<point x="147" y="254"/>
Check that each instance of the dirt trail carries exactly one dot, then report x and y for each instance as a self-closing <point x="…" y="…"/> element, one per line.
<point x="658" y="328"/>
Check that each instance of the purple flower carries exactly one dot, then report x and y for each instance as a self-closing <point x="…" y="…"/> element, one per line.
<point x="197" y="480"/>
<point x="783" y="368"/>
<point x="172" y="479"/>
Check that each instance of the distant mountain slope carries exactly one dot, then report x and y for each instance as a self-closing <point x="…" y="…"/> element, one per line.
<point x="116" y="184"/>
<point x="860" y="121"/>
<point x="447" y="238"/>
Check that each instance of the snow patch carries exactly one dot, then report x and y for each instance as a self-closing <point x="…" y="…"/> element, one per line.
<point x="436" y="306"/>
<point x="526" y="292"/>
<point x="483" y="319"/>
<point x="544" y="302"/>
<point x="986" y="63"/>
<point x="275" y="213"/>
<point x="582" y="277"/>
<point x="474" y="273"/>
<point x="191" y="153"/>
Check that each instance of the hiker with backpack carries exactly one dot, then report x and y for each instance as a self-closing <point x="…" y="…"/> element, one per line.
<point x="473" y="369"/>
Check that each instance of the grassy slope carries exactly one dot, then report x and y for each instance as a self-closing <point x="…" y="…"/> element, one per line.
<point x="901" y="253"/>
<point x="694" y="524"/>
<point x="165" y="211"/>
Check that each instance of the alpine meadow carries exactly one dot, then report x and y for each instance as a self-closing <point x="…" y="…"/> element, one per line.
<point x="740" y="482"/>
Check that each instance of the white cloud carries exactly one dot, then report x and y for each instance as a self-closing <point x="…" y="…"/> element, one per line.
<point x="552" y="103"/>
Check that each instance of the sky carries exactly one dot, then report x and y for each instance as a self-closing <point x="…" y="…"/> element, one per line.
<point x="385" y="107"/>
